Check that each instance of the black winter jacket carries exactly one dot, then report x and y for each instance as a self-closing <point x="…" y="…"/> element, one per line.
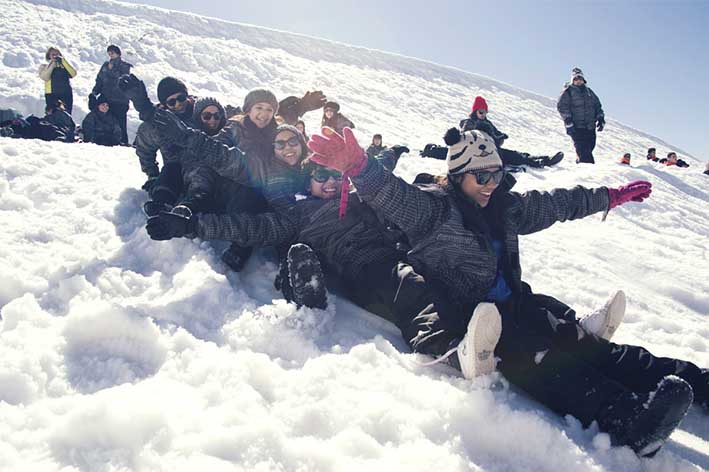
<point x="580" y="105"/>
<point x="373" y="151"/>
<point x="486" y="126"/>
<point x="101" y="128"/>
<point x="107" y="80"/>
<point x="63" y="120"/>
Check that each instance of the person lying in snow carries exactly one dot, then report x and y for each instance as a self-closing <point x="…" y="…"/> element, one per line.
<point x="478" y="120"/>
<point x="464" y="240"/>
<point x="672" y="160"/>
<point x="651" y="155"/>
<point x="625" y="159"/>
<point x="57" y="115"/>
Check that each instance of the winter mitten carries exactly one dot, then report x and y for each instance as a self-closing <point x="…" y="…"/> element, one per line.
<point x="635" y="191"/>
<point x="399" y="150"/>
<point x="600" y="124"/>
<point x="134" y="88"/>
<point x="178" y="223"/>
<point x="311" y="101"/>
<point x="172" y="130"/>
<point x="337" y="152"/>
<point x="92" y="102"/>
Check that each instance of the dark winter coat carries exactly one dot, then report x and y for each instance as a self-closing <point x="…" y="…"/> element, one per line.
<point x="373" y="150"/>
<point x="580" y="105"/>
<point x="486" y="126"/>
<point x="338" y="122"/>
<point x="62" y="120"/>
<point x="107" y="80"/>
<point x="101" y="128"/>
<point x="147" y="144"/>
<point x="450" y="247"/>
<point x="252" y="140"/>
<point x="56" y="77"/>
<point x="345" y="246"/>
<point x="33" y="127"/>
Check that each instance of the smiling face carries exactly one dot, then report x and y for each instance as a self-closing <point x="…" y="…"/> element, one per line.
<point x="113" y="55"/>
<point x="210" y="119"/>
<point x="261" y="114"/>
<point x="329" y="113"/>
<point x="328" y="190"/>
<point x="578" y="81"/>
<point x="103" y="107"/>
<point x="479" y="193"/>
<point x="287" y="148"/>
<point x="176" y="102"/>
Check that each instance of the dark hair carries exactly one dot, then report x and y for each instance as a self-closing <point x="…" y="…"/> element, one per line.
<point x="627" y="154"/>
<point x="52" y="48"/>
<point x="649" y="150"/>
<point x="671" y="153"/>
<point x="376" y="136"/>
<point x="300" y="122"/>
<point x="58" y="104"/>
<point x="114" y="48"/>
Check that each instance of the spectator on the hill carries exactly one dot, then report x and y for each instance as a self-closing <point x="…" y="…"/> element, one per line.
<point x="57" y="73"/>
<point x="107" y="85"/>
<point x="582" y="113"/>
<point x="100" y="126"/>
<point x="332" y="118"/>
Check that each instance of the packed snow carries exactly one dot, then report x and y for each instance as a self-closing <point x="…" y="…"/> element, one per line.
<point x="121" y="353"/>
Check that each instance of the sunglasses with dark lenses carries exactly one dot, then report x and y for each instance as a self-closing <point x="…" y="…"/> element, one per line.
<point x="321" y="175"/>
<point x="281" y="144"/>
<point x="173" y="101"/>
<point x="206" y="116"/>
<point x="484" y="176"/>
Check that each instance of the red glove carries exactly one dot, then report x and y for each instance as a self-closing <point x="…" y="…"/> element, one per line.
<point x="635" y="191"/>
<point x="338" y="152"/>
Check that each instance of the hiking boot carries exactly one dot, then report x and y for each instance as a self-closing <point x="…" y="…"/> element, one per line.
<point x="645" y="421"/>
<point x="476" y="351"/>
<point x="604" y="321"/>
<point x="307" y="282"/>
<point x="236" y="257"/>
<point x="152" y="208"/>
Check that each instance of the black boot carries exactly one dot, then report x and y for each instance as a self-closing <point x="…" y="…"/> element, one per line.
<point x="645" y="421"/>
<point x="153" y="208"/>
<point x="236" y="257"/>
<point x="307" y="282"/>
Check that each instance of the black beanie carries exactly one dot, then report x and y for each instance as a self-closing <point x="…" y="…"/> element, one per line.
<point x="170" y="86"/>
<point x="114" y="48"/>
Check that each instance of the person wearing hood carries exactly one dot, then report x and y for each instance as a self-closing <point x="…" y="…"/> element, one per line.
<point x="107" y="85"/>
<point x="332" y="118"/>
<point x="100" y="126"/>
<point x="57" y="73"/>
<point x="464" y="241"/>
<point x="581" y="110"/>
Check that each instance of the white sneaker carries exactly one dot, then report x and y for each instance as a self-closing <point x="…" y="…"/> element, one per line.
<point x="604" y="321"/>
<point x="476" y="350"/>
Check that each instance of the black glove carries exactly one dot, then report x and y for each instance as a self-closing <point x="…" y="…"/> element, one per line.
<point x="600" y="123"/>
<point x="426" y="151"/>
<point x="134" y="88"/>
<point x="149" y="184"/>
<point x="173" y="224"/>
<point x="172" y="131"/>
<point x="58" y="59"/>
<point x="503" y="137"/>
<point x="399" y="150"/>
<point x="92" y="102"/>
<point x="569" y="127"/>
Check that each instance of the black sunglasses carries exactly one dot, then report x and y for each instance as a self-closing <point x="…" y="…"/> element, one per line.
<point x="206" y="116"/>
<point x="321" y="175"/>
<point x="173" y="101"/>
<point x="482" y="177"/>
<point x="281" y="144"/>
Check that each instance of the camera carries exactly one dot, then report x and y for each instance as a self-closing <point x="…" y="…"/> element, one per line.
<point x="58" y="60"/>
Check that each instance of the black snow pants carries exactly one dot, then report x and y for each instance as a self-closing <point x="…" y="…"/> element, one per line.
<point x="120" y="111"/>
<point x="550" y="357"/>
<point x="516" y="159"/>
<point x="584" y="142"/>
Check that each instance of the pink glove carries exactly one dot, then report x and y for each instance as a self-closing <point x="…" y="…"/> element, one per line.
<point x="339" y="153"/>
<point x="635" y="191"/>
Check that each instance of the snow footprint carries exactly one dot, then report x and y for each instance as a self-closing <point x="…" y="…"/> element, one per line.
<point x="106" y="346"/>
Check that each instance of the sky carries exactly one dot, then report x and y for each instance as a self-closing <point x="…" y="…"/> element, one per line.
<point x="644" y="59"/>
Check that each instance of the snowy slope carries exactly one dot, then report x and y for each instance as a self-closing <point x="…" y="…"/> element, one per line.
<point x="120" y="353"/>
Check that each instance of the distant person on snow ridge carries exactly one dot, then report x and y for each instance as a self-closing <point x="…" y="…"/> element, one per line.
<point x="291" y="108"/>
<point x="57" y="73"/>
<point x="581" y="110"/>
<point x="651" y="154"/>
<point x="100" y="126"/>
<point x="376" y="147"/>
<point x="625" y="159"/>
<point x="706" y="169"/>
<point x="672" y="160"/>
<point x="107" y="85"/>
<point x="332" y="118"/>
<point x="57" y="115"/>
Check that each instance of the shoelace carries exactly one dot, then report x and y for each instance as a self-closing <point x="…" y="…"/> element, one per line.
<point x="437" y="360"/>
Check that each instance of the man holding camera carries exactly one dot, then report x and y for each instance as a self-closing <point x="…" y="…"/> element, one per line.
<point x="107" y="86"/>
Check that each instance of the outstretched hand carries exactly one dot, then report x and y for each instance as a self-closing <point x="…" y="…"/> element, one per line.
<point x="134" y="88"/>
<point x="311" y="101"/>
<point x="171" y="129"/>
<point x="635" y="191"/>
<point x="337" y="152"/>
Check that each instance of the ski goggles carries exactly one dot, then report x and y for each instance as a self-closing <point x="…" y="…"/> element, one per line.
<point x="281" y="143"/>
<point x="173" y="101"/>
<point x="483" y="177"/>
<point x="322" y="174"/>
<point x="206" y="116"/>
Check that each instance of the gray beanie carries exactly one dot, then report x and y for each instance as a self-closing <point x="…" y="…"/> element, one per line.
<point x="203" y="103"/>
<point x="472" y="150"/>
<point x="298" y="135"/>
<point x="260" y="96"/>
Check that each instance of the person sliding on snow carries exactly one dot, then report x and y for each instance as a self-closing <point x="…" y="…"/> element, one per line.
<point x="464" y="240"/>
<point x="478" y="119"/>
<point x="672" y="160"/>
<point x="582" y="113"/>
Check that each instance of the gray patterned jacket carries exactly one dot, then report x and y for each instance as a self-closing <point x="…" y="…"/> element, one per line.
<point x="580" y="105"/>
<point x="454" y="257"/>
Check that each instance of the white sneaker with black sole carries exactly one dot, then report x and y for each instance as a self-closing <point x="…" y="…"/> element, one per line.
<point x="604" y="321"/>
<point x="476" y="352"/>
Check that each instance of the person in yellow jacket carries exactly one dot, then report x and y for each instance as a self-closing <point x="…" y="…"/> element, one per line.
<point x="57" y="73"/>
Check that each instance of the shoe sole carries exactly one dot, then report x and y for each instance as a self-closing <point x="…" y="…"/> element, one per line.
<point x="664" y="413"/>
<point x="306" y="277"/>
<point x="486" y="326"/>
<point x="615" y="314"/>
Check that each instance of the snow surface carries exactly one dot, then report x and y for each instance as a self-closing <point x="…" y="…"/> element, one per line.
<point x="120" y="353"/>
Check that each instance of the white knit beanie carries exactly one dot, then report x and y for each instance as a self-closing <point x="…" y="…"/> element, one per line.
<point x="472" y="150"/>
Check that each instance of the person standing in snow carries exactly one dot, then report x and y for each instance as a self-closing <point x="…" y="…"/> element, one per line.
<point x="100" y="126"/>
<point x="581" y="110"/>
<point x="332" y="118"/>
<point x="107" y="85"/>
<point x="464" y="240"/>
<point x="57" y="73"/>
<point x="59" y="117"/>
<point x="376" y="147"/>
